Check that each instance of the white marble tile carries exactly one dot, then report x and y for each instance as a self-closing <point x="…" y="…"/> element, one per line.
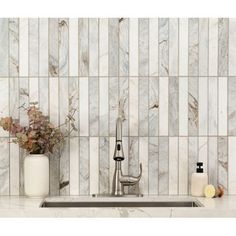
<point x="93" y="47"/>
<point x="43" y="47"/>
<point x="4" y="166"/>
<point x="33" y="89"/>
<point x="64" y="171"/>
<point x="153" y="106"/>
<point x="183" y="106"/>
<point x="124" y="47"/>
<point x="213" y="47"/>
<point x="53" y="43"/>
<point x="223" y="106"/>
<point x="153" y="46"/>
<point x="183" y="165"/>
<point x="112" y="141"/>
<point x="163" y="105"/>
<point x="213" y="104"/>
<point x="33" y="46"/>
<point x="13" y="46"/>
<point x="4" y="45"/>
<point x="23" y="47"/>
<point x="212" y="160"/>
<point x="143" y="46"/>
<point x="173" y="165"/>
<point x="203" y="105"/>
<point x="143" y="158"/>
<point x="183" y="46"/>
<point x="83" y="107"/>
<point x="83" y="46"/>
<point x="63" y="44"/>
<point x="153" y="165"/>
<point x="203" y="152"/>
<point x="94" y="165"/>
<point x="133" y="105"/>
<point x="14" y="97"/>
<point x="203" y="46"/>
<point x="232" y="165"/>
<point x="24" y="99"/>
<point x="74" y="166"/>
<point x="44" y="95"/>
<point x="173" y="46"/>
<point x="232" y="47"/>
<point x="14" y="154"/>
<point x="103" y="47"/>
<point x="133" y="46"/>
<point x="163" y="25"/>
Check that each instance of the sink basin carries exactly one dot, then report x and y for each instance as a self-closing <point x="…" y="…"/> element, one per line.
<point x="141" y="204"/>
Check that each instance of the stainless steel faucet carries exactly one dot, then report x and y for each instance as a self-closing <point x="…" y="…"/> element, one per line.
<point x="120" y="180"/>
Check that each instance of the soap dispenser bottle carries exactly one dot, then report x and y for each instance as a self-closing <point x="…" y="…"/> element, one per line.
<point x="199" y="181"/>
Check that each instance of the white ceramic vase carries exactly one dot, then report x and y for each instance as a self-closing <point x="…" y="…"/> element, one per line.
<point x="36" y="175"/>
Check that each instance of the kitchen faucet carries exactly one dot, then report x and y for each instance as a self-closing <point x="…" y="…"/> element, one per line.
<point x="120" y="180"/>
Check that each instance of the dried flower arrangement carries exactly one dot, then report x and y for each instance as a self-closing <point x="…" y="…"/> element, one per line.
<point x="41" y="136"/>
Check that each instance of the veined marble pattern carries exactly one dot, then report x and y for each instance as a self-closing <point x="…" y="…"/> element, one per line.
<point x="172" y="80"/>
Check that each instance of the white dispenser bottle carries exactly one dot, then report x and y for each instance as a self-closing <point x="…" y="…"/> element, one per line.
<point x="199" y="181"/>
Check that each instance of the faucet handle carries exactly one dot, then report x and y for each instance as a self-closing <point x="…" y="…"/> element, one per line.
<point x="128" y="180"/>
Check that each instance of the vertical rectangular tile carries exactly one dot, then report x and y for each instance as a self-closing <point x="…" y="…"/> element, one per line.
<point x="73" y="47"/>
<point x="53" y="36"/>
<point x="111" y="161"/>
<point x="4" y="103"/>
<point x="222" y="143"/>
<point x="4" y="167"/>
<point x="193" y="48"/>
<point x="203" y="105"/>
<point x="232" y="106"/>
<point x="103" y="106"/>
<point x="133" y="106"/>
<point x="143" y="47"/>
<point x="183" y="106"/>
<point x="64" y="158"/>
<point x="133" y="161"/>
<point x="153" y="165"/>
<point x="84" y="166"/>
<point x="4" y="45"/>
<point x="163" y="26"/>
<point x="213" y="103"/>
<point x="94" y="165"/>
<point x="14" y="168"/>
<point x="23" y="47"/>
<point x="212" y="160"/>
<point x="13" y="47"/>
<point x="104" y="165"/>
<point x="192" y="158"/>
<point x="183" y="46"/>
<point x="213" y="47"/>
<point x="153" y="106"/>
<point x="83" y="40"/>
<point x="203" y="46"/>
<point x="33" y="47"/>
<point x="93" y="106"/>
<point x="133" y="46"/>
<point x="123" y="46"/>
<point x="44" y="95"/>
<point x="173" y="46"/>
<point x="183" y="165"/>
<point x="43" y="46"/>
<point x="93" y="47"/>
<point x="163" y="105"/>
<point x="173" y="165"/>
<point x="193" y="107"/>
<point x="153" y="47"/>
<point x="113" y="104"/>
<point x="33" y="89"/>
<point x="74" y="165"/>
<point x="232" y="47"/>
<point x="143" y="106"/>
<point x="232" y="165"/>
<point x="63" y="44"/>
<point x="222" y="105"/>
<point x="143" y="158"/>
<point x="223" y="47"/>
<point x="163" y="171"/>
<point x="103" y="47"/>
<point x="113" y="29"/>
<point x="203" y="152"/>
<point x="83" y="106"/>
<point x="173" y="106"/>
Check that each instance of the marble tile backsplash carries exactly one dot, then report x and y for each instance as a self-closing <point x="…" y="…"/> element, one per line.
<point x="173" y="79"/>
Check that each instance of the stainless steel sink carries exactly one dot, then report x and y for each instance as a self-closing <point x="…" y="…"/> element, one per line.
<point x="127" y="204"/>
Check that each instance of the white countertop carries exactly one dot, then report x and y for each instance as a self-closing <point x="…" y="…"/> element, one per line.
<point x="14" y="206"/>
